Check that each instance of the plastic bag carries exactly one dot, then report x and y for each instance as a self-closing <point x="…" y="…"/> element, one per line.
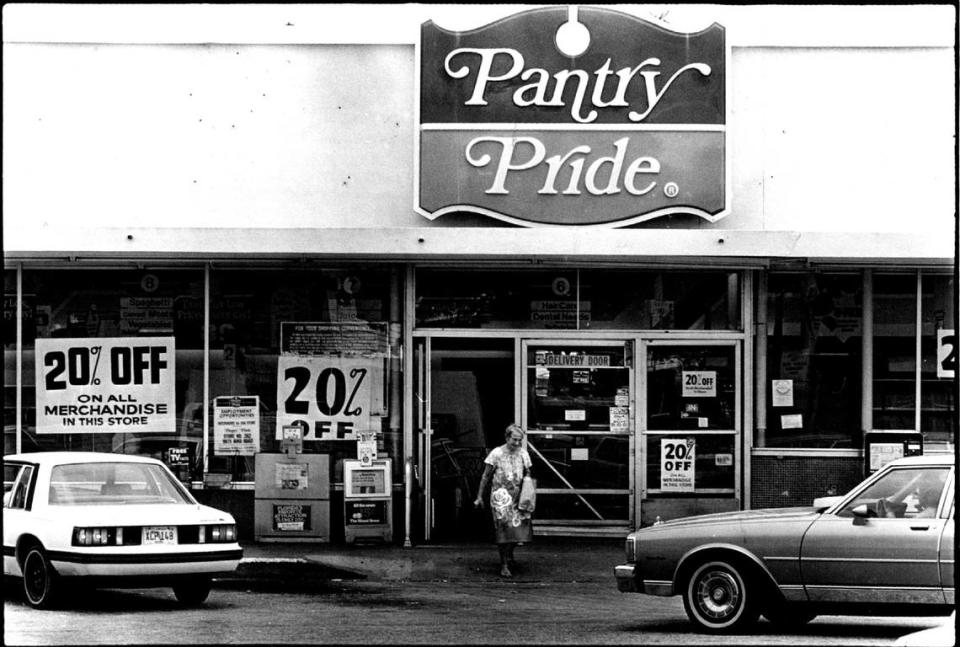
<point x="528" y="495"/>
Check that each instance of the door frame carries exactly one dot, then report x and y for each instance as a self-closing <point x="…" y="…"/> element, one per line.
<point x="628" y="344"/>
<point x="644" y="432"/>
<point x="421" y="356"/>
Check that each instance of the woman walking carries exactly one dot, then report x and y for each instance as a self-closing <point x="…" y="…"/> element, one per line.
<point x="506" y="467"/>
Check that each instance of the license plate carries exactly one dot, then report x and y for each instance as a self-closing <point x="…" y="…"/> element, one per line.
<point x="160" y="535"/>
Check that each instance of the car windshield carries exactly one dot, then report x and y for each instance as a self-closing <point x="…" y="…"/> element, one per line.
<point x="113" y="483"/>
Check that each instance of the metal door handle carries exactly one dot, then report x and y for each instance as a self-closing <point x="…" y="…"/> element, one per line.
<point x="924" y="527"/>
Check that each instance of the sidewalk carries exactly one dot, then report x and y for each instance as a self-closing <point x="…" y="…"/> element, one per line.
<point x="546" y="559"/>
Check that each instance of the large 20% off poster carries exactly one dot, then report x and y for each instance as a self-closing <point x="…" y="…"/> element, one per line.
<point x="112" y="385"/>
<point x="329" y="397"/>
<point x="677" y="464"/>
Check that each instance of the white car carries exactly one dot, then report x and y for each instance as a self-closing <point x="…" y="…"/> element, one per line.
<point x="101" y="519"/>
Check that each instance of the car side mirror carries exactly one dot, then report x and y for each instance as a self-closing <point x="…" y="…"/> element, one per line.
<point x="864" y="510"/>
<point x="867" y="510"/>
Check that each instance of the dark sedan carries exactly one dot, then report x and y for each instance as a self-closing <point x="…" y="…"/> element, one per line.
<point x="884" y="548"/>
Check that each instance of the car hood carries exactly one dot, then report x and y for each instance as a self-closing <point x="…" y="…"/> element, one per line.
<point x="140" y="515"/>
<point x="765" y="515"/>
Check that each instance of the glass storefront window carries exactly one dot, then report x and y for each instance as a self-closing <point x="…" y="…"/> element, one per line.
<point x="577" y="388"/>
<point x="596" y="461"/>
<point x="894" y="351"/>
<point x="585" y="299"/>
<point x="938" y="405"/>
<point x="713" y="466"/>
<point x="814" y="360"/>
<point x="587" y="507"/>
<point x="691" y="387"/>
<point x="668" y="300"/>
<point x="121" y="307"/>
<point x="496" y="299"/>
<point x="10" y="360"/>
<point x="691" y="390"/>
<point x="315" y="338"/>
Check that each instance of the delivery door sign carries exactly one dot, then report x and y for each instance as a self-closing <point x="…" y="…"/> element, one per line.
<point x="515" y="125"/>
<point x="113" y="385"/>
<point x="677" y="464"/>
<point x="946" y="353"/>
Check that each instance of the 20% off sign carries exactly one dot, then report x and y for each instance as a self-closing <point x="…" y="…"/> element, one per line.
<point x="328" y="397"/>
<point x="114" y="384"/>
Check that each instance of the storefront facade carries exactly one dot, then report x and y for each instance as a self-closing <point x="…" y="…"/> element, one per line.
<point x="705" y="306"/>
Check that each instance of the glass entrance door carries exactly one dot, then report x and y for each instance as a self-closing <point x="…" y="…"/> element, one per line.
<point x="469" y="402"/>
<point x="690" y="428"/>
<point x="578" y="409"/>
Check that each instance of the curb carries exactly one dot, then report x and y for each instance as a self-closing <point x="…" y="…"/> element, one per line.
<point x="292" y="568"/>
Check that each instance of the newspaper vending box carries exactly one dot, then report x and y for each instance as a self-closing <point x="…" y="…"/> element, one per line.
<point x="292" y="498"/>
<point x="367" y="497"/>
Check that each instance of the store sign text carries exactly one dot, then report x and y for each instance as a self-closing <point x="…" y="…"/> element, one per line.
<point x="542" y="87"/>
<point x="632" y="130"/>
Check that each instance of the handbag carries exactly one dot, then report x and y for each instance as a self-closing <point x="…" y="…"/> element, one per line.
<point x="528" y="495"/>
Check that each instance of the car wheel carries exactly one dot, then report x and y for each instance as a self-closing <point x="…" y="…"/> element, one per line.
<point x="193" y="591"/>
<point x="40" y="580"/>
<point x="788" y="616"/>
<point x="718" y="597"/>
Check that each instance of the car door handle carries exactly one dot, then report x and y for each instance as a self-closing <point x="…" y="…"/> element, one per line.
<point x="920" y="527"/>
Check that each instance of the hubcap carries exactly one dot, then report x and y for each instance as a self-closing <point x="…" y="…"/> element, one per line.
<point x="718" y="595"/>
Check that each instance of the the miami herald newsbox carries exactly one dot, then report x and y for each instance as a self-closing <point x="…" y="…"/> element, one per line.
<point x="292" y="498"/>
<point x="367" y="497"/>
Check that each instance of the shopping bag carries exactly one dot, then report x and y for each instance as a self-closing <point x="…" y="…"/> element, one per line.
<point x="528" y="494"/>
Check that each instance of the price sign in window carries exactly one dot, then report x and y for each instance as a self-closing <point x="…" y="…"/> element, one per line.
<point x="691" y="387"/>
<point x="330" y="398"/>
<point x="946" y="353"/>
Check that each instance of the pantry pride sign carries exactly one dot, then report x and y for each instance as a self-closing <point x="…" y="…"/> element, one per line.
<point x="567" y="116"/>
<point x="114" y="385"/>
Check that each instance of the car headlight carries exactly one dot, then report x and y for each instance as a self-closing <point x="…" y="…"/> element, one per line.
<point x="219" y="533"/>
<point x="97" y="536"/>
<point x="631" y="548"/>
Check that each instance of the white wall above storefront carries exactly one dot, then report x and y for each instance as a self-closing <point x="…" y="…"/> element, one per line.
<point x="221" y="118"/>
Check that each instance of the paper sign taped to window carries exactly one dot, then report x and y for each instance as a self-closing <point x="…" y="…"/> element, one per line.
<point x="782" y="391"/>
<point x="791" y="421"/>
<point x="699" y="384"/>
<point x="619" y="419"/>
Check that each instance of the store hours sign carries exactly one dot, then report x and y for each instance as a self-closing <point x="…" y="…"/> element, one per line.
<point x="113" y="385"/>
<point x="513" y="128"/>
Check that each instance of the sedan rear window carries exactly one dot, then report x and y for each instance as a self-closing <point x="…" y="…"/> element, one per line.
<point x="113" y="483"/>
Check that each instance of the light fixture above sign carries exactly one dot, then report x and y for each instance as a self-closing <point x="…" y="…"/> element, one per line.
<point x="562" y="116"/>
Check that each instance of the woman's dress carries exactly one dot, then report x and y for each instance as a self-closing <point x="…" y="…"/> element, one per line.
<point x="511" y="525"/>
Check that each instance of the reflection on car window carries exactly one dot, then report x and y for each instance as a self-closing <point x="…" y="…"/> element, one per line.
<point x="10" y="473"/>
<point x="111" y="484"/>
<point x="16" y="485"/>
<point x="905" y="493"/>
